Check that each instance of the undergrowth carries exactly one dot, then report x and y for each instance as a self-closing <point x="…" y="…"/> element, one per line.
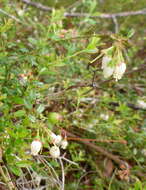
<point x="51" y="81"/>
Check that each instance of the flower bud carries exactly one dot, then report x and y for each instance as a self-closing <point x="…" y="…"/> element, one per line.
<point x="55" y="151"/>
<point x="36" y="146"/>
<point x="54" y="117"/>
<point x="64" y="144"/>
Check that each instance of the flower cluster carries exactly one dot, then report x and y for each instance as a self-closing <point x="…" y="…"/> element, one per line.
<point x="57" y="141"/>
<point x="117" y="71"/>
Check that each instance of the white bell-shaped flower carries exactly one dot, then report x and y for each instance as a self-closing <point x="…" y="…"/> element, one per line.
<point x="64" y="144"/>
<point x="52" y="136"/>
<point x="105" y="60"/>
<point x="107" y="70"/>
<point x="36" y="146"/>
<point x="55" y="151"/>
<point x="119" y="71"/>
<point x="56" y="139"/>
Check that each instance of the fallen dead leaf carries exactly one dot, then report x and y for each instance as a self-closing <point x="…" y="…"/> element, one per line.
<point x="108" y="168"/>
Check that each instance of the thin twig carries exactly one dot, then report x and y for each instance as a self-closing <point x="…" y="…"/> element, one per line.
<point x="115" y="21"/>
<point x="33" y="183"/>
<point x="5" y="178"/>
<point x="63" y="174"/>
<point x="56" y="178"/>
<point x="69" y="161"/>
<point x="2" y="183"/>
<point x="102" y="15"/>
<point x="37" y="5"/>
<point x="98" y="140"/>
<point x="100" y="34"/>
<point x="9" y="178"/>
<point x="11" y="16"/>
<point x="133" y="106"/>
<point x="112" y="178"/>
<point x="85" y="174"/>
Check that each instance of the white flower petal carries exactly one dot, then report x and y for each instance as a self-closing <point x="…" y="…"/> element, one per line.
<point x="64" y="144"/>
<point x="119" y="71"/>
<point x="36" y="146"/>
<point x="55" y="151"/>
<point x="105" y="61"/>
<point x="108" y="71"/>
<point x="56" y="139"/>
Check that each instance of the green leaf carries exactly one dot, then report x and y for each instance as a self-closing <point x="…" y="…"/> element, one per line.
<point x="16" y="170"/>
<point x="27" y="104"/>
<point x="22" y="132"/>
<point x="32" y="41"/>
<point x="17" y="100"/>
<point x="7" y="26"/>
<point x="138" y="186"/>
<point x="91" y="50"/>
<point x="130" y="33"/>
<point x="32" y="118"/>
<point x="23" y="164"/>
<point x="41" y="108"/>
<point x="20" y="113"/>
<point x="92" y="46"/>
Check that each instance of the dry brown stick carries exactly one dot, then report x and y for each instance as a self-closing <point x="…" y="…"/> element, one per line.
<point x="97" y="140"/>
<point x="101" y="150"/>
<point x="102" y="15"/>
<point x="37" y="5"/>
